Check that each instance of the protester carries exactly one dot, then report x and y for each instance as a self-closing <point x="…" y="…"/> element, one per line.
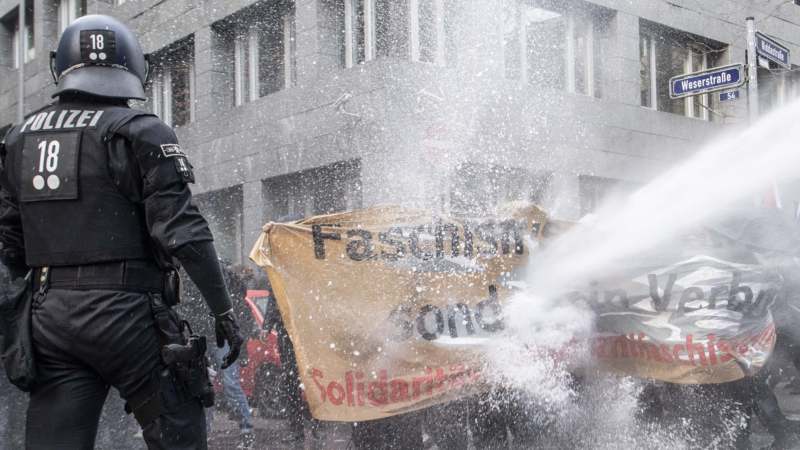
<point x="758" y="237"/>
<point x="296" y="408"/>
<point x="237" y="277"/>
<point x="233" y="399"/>
<point x="775" y="238"/>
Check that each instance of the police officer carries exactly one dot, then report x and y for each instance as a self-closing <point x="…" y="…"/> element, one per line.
<point x="95" y="200"/>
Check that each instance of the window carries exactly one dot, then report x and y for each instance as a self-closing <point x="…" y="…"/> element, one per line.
<point x="370" y="29"/>
<point x="328" y="189"/>
<point x="30" y="49"/>
<point x="172" y="83"/>
<point x="373" y="29"/>
<point x="554" y="48"/>
<point x="427" y="24"/>
<point x="664" y="53"/>
<point x="479" y="189"/>
<point x="259" y="44"/>
<point x="68" y="11"/>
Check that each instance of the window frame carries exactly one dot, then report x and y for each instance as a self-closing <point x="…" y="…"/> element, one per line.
<point x="161" y="95"/>
<point x="68" y="11"/>
<point x="375" y="44"/>
<point x="414" y="32"/>
<point x="350" y="33"/>
<point x="30" y="47"/>
<point x="246" y="54"/>
<point x="571" y="28"/>
<point x="652" y="34"/>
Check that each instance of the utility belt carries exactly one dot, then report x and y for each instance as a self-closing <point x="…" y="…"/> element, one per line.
<point x="183" y="374"/>
<point x="130" y="275"/>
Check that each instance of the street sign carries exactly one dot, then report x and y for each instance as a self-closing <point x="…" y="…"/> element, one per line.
<point x="729" y="95"/>
<point x="772" y="50"/>
<point x="716" y="79"/>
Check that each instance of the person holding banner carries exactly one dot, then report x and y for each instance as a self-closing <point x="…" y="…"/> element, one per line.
<point x="775" y="238"/>
<point x="289" y="388"/>
<point x="764" y="244"/>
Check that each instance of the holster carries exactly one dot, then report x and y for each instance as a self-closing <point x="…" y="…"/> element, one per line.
<point x="183" y="352"/>
<point x="184" y="356"/>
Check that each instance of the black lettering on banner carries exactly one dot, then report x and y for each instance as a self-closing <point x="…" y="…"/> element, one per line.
<point x="735" y="300"/>
<point x="660" y="303"/>
<point x="319" y="240"/>
<point x="690" y="294"/>
<point x="414" y="244"/>
<point x="393" y="237"/>
<point x="403" y="321"/>
<point x="717" y="293"/>
<point x="466" y="316"/>
<point x="496" y="311"/>
<point x="511" y="228"/>
<point x="765" y="299"/>
<point x="468" y="248"/>
<point x="486" y="233"/>
<point x="455" y="241"/>
<point x="359" y="249"/>
<point x="422" y="325"/>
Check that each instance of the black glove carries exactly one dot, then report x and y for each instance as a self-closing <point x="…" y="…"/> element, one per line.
<point x="227" y="330"/>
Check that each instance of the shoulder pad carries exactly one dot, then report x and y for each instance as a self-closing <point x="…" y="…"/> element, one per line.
<point x="117" y="117"/>
<point x="156" y="144"/>
<point x="149" y="133"/>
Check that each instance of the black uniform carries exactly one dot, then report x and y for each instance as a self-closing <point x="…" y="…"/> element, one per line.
<point x="95" y="199"/>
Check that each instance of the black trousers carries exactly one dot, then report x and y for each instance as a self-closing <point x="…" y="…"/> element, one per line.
<point x="86" y="341"/>
<point x="296" y="409"/>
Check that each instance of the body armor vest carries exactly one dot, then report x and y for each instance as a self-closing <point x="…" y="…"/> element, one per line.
<point x="71" y="210"/>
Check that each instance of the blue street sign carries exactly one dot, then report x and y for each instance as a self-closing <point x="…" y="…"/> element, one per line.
<point x="773" y="51"/>
<point x="728" y="96"/>
<point x="716" y="79"/>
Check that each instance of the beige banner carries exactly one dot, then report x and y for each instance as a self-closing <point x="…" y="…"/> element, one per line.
<point x="382" y="304"/>
<point x="387" y="308"/>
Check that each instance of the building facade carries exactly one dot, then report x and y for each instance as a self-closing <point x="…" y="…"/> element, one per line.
<point x="294" y="108"/>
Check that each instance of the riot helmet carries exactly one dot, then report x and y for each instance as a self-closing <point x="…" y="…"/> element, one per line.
<point x="99" y="55"/>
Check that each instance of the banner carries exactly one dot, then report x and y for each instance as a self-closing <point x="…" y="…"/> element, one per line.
<point x="387" y="307"/>
<point x="383" y="305"/>
<point x="700" y="320"/>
